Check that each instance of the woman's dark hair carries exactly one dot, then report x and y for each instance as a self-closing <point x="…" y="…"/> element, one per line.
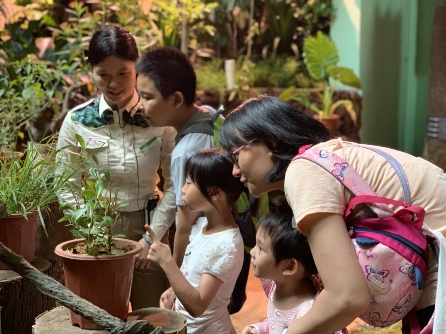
<point x="283" y="129"/>
<point x="213" y="168"/>
<point x="286" y="241"/>
<point x="112" y="41"/>
<point x="171" y="71"/>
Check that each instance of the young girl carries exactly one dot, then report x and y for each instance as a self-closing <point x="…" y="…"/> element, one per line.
<point x="282" y="260"/>
<point x="214" y="256"/>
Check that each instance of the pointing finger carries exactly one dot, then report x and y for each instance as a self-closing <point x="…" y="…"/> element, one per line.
<point x="150" y="233"/>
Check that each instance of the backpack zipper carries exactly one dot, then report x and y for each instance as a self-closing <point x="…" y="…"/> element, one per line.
<point x="407" y="243"/>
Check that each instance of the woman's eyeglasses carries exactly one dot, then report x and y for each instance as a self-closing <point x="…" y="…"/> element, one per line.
<point x="234" y="154"/>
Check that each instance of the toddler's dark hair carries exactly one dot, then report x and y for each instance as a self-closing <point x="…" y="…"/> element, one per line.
<point x="286" y="241"/>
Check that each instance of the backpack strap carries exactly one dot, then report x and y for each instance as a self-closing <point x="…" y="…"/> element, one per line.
<point x="209" y="127"/>
<point x="204" y="126"/>
<point x="347" y="175"/>
<point x="396" y="167"/>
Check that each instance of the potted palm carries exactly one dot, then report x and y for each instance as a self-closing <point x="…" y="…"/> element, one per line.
<point x="28" y="185"/>
<point x="98" y="265"/>
<point x="321" y="58"/>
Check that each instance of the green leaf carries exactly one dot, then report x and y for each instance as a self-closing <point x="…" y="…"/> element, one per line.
<point x="344" y="75"/>
<point x="99" y="187"/>
<point x="93" y="251"/>
<point x="95" y="231"/>
<point x="89" y="194"/>
<point x="287" y="94"/>
<point x="64" y="218"/>
<point x="117" y="251"/>
<point x="76" y="233"/>
<point x="81" y="141"/>
<point x="320" y="54"/>
<point x="107" y="174"/>
<point x="120" y="235"/>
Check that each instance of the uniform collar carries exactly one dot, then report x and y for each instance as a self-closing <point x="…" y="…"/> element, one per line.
<point x="103" y="105"/>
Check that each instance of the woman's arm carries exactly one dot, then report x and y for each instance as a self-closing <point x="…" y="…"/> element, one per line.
<point x="345" y="294"/>
<point x="194" y="300"/>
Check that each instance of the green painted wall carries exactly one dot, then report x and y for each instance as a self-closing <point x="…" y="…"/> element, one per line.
<point x="380" y="57"/>
<point x="345" y="32"/>
<point x="393" y="59"/>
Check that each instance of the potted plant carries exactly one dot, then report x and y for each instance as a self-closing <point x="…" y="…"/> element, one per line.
<point x="98" y="265"/>
<point x="321" y="58"/>
<point x="28" y="185"/>
<point x="28" y="87"/>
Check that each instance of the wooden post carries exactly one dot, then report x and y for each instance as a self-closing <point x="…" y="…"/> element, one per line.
<point x="20" y="301"/>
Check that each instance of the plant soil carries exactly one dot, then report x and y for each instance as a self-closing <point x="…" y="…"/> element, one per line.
<point x="81" y="249"/>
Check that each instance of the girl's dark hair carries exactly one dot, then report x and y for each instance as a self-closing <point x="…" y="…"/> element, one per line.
<point x="112" y="41"/>
<point x="213" y="168"/>
<point x="171" y="71"/>
<point x="283" y="129"/>
<point x="286" y="241"/>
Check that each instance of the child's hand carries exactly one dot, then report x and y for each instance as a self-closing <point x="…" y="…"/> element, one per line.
<point x="167" y="299"/>
<point x="158" y="252"/>
<point x="249" y="330"/>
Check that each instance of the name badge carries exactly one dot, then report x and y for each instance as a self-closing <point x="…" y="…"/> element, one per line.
<point x="147" y="145"/>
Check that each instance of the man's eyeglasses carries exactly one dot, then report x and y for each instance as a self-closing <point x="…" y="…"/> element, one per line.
<point x="234" y="154"/>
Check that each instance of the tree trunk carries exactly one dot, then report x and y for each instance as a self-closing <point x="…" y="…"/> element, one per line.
<point x="20" y="301"/>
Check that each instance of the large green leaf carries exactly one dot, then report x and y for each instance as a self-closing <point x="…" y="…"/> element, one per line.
<point x="320" y="54"/>
<point x="344" y="75"/>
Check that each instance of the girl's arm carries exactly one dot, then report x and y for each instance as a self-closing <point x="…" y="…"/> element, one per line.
<point x="185" y="220"/>
<point x="345" y="294"/>
<point x="194" y="300"/>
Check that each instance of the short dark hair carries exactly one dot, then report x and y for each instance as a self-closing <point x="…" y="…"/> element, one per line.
<point x="286" y="241"/>
<point x="213" y="168"/>
<point x="112" y="41"/>
<point x="283" y="129"/>
<point x="171" y="71"/>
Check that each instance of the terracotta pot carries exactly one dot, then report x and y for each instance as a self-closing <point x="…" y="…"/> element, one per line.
<point x="104" y="280"/>
<point x="19" y="234"/>
<point x="330" y="122"/>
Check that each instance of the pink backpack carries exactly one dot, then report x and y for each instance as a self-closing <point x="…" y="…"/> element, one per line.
<point x="392" y="251"/>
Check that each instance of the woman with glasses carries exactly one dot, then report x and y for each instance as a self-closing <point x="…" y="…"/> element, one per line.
<point x="125" y="144"/>
<point x="264" y="135"/>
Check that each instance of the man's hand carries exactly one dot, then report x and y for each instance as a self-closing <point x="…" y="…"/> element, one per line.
<point x="141" y="261"/>
<point x="158" y="252"/>
<point x="167" y="299"/>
